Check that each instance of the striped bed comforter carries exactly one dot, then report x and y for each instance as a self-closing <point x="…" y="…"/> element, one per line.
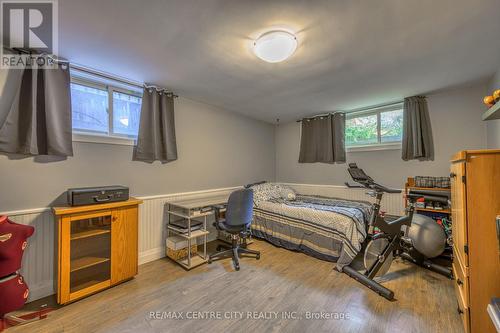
<point x="327" y="228"/>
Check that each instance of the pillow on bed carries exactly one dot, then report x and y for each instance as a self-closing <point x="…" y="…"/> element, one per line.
<point x="286" y="192"/>
<point x="270" y="191"/>
<point x="265" y="192"/>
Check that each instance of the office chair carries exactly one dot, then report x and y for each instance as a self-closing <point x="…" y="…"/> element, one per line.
<point x="237" y="222"/>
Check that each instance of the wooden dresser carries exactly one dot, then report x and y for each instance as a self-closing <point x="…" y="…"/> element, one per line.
<point x="475" y="195"/>
<point x="96" y="247"/>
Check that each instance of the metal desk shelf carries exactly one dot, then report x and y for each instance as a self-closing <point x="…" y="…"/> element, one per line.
<point x="190" y="210"/>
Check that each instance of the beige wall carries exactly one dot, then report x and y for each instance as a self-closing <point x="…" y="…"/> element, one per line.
<point x="493" y="126"/>
<point x="456" y="123"/>
<point x="216" y="149"/>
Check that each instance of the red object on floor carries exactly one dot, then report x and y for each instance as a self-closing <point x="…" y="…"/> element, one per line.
<point x="10" y="321"/>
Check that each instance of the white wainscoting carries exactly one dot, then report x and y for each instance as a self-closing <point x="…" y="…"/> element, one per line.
<point x="38" y="261"/>
<point x="391" y="203"/>
<point x="153" y="217"/>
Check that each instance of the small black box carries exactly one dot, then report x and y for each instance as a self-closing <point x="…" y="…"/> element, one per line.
<point x="97" y="195"/>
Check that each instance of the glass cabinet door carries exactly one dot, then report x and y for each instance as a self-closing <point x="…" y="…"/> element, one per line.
<point x="90" y="251"/>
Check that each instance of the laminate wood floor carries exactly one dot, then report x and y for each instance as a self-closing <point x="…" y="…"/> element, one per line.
<point x="280" y="283"/>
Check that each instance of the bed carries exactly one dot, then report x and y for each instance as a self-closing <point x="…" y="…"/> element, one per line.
<point x="331" y="229"/>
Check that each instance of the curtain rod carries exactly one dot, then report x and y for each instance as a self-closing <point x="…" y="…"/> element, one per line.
<point x="94" y="71"/>
<point x="52" y="57"/>
<point x="317" y="116"/>
<point x="118" y="78"/>
<point x="105" y="75"/>
<point x="353" y="110"/>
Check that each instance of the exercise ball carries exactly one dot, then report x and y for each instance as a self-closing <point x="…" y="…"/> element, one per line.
<point x="427" y="236"/>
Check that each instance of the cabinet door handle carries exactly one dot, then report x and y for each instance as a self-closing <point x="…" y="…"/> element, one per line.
<point x="459" y="282"/>
<point x="453" y="175"/>
<point x="460" y="311"/>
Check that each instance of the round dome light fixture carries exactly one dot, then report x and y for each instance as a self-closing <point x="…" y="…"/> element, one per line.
<point x="275" y="46"/>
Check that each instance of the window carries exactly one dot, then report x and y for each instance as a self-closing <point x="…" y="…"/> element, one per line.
<point x="126" y="114"/>
<point x="381" y="127"/>
<point x="104" y="110"/>
<point x="89" y="109"/>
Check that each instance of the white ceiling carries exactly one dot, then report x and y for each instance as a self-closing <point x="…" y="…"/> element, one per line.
<point x="352" y="53"/>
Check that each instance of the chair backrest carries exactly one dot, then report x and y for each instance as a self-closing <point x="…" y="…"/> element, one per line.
<point x="240" y="207"/>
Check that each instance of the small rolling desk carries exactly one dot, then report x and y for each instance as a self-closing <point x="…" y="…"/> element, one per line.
<point x="193" y="209"/>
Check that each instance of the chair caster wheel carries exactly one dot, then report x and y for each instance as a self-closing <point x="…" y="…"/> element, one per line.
<point x="237" y="267"/>
<point x="257" y="257"/>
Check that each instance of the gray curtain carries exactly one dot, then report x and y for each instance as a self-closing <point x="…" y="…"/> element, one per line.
<point x="323" y="139"/>
<point x="35" y="112"/>
<point x="156" y="139"/>
<point x="417" y="131"/>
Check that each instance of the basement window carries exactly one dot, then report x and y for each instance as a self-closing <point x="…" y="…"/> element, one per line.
<point x="103" y="112"/>
<point x="376" y="129"/>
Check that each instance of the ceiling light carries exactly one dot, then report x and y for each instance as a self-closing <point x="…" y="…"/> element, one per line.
<point x="275" y="46"/>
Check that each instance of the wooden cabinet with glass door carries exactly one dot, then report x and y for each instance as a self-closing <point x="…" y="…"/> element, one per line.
<point x="96" y="247"/>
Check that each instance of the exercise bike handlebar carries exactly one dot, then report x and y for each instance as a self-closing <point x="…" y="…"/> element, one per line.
<point x="386" y="189"/>
<point x="353" y="186"/>
<point x="374" y="186"/>
<point x="360" y="177"/>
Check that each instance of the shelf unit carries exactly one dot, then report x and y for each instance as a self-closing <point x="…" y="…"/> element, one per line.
<point x="191" y="236"/>
<point x="194" y="234"/>
<point x="89" y="233"/>
<point x="436" y="214"/>
<point x="492" y="113"/>
<point x="442" y="211"/>
<point x="192" y="261"/>
<point x="96" y="247"/>
<point x="86" y="262"/>
<point x="189" y="211"/>
<point x="410" y="185"/>
<point x="436" y="189"/>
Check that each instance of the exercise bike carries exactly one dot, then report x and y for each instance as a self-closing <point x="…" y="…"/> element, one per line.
<point x="413" y="237"/>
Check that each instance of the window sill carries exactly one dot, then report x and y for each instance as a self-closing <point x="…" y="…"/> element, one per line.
<point x="102" y="139"/>
<point x="385" y="146"/>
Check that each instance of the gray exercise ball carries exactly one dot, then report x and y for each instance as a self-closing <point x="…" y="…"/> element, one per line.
<point x="427" y="236"/>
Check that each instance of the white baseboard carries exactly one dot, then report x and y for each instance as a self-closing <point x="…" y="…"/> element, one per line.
<point x="151" y="255"/>
<point x="41" y="290"/>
